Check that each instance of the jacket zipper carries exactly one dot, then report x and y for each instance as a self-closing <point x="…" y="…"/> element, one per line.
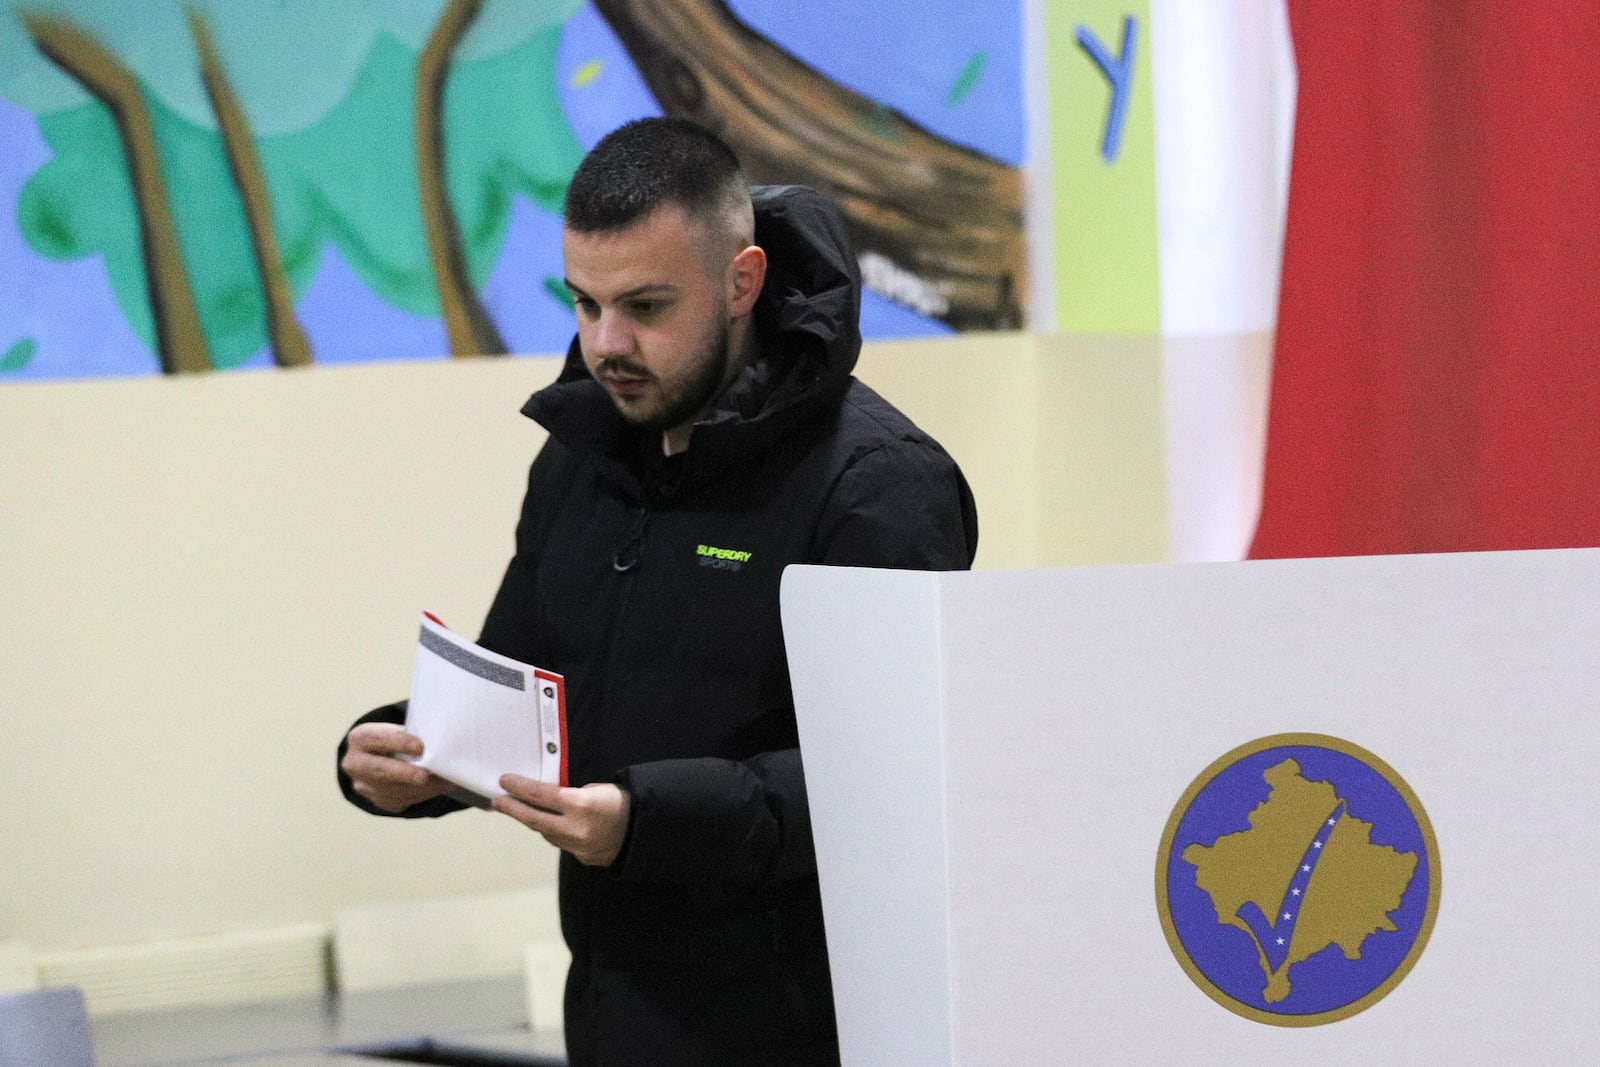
<point x="626" y="558"/>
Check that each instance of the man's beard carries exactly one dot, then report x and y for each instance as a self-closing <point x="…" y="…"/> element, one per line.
<point x="710" y="372"/>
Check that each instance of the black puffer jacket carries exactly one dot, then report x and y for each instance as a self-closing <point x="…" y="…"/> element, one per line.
<point x="656" y="594"/>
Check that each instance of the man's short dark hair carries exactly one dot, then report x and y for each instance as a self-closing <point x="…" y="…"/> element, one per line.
<point x="645" y="164"/>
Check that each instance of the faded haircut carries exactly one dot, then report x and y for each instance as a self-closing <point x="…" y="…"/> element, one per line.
<point x="648" y="163"/>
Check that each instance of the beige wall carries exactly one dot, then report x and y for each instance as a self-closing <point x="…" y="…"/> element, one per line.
<point x="1061" y="437"/>
<point x="206" y="579"/>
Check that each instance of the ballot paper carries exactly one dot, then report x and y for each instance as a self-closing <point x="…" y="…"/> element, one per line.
<point x="480" y="714"/>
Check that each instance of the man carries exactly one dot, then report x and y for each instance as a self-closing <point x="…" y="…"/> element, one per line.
<point x="705" y="432"/>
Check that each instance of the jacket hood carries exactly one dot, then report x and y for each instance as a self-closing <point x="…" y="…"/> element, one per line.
<point x="812" y="296"/>
<point x="808" y="322"/>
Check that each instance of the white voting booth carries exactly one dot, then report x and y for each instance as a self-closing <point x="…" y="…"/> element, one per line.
<point x="994" y="758"/>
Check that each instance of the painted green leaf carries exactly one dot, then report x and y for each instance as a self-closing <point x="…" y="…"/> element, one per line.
<point x="881" y="122"/>
<point x="18" y="355"/>
<point x="558" y="289"/>
<point x="966" y="79"/>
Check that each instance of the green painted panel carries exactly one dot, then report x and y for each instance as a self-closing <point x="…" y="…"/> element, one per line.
<point x="1106" y="252"/>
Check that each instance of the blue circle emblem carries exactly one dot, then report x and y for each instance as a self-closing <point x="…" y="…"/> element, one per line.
<point x="1298" y="880"/>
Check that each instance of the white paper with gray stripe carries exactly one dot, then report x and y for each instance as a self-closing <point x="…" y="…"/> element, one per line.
<point x="480" y="714"/>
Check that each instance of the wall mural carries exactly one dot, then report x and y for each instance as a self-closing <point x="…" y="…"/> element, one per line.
<point x="190" y="186"/>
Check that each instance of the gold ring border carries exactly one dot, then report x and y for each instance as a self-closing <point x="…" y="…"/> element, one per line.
<point x="1163" y="905"/>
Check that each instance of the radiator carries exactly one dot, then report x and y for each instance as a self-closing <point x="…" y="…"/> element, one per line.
<point x="228" y="968"/>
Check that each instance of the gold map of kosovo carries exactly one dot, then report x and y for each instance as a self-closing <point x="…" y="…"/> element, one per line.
<point x="1353" y="884"/>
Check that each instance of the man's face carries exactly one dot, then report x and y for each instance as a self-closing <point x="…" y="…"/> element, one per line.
<point x="653" y="317"/>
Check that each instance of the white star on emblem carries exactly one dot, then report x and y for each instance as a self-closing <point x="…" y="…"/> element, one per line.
<point x="1316" y="844"/>
<point x="1305" y="867"/>
<point x="1296" y="892"/>
<point x="1280" y="940"/>
<point x="1331" y="821"/>
<point x="1286" y="915"/>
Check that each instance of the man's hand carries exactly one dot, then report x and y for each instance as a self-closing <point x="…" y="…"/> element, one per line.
<point x="589" y="822"/>
<point x="373" y="763"/>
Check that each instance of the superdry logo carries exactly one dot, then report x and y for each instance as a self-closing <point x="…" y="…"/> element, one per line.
<point x="723" y="559"/>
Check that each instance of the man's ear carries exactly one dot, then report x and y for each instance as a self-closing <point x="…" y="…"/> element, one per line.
<point x="746" y="274"/>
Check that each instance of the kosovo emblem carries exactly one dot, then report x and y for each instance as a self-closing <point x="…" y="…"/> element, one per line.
<point x="1298" y="880"/>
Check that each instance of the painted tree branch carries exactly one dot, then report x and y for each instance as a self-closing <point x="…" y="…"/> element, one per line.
<point x="937" y="227"/>
<point x="289" y="345"/>
<point x="467" y="324"/>
<point x="180" y="340"/>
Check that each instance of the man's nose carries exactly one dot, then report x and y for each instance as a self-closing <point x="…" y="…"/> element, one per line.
<point x="612" y="335"/>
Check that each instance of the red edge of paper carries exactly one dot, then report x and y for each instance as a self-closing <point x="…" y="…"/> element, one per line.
<point x="561" y="715"/>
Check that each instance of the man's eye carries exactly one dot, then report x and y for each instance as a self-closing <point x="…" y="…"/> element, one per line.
<point x="584" y="305"/>
<point x="644" y="308"/>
